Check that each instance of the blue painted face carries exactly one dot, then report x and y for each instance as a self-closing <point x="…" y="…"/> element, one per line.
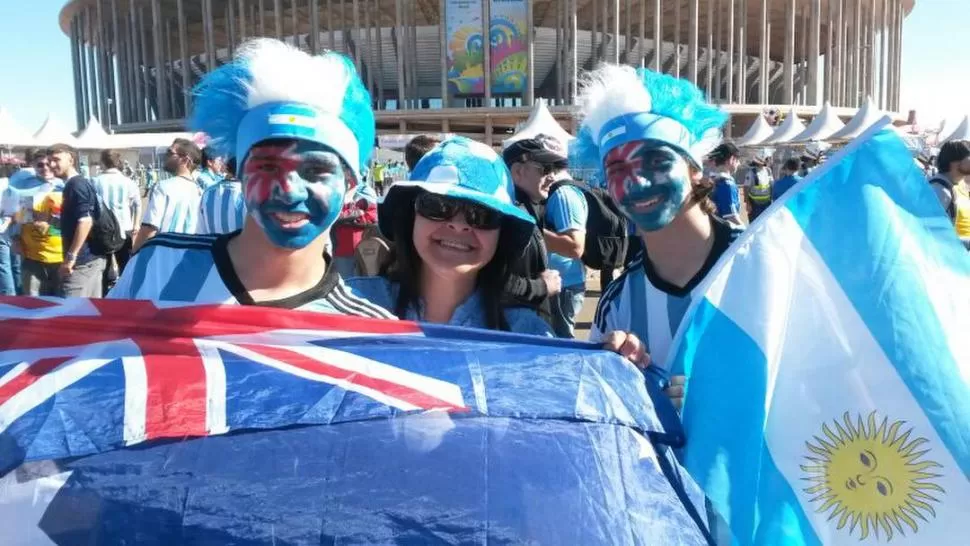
<point x="294" y="190"/>
<point x="649" y="181"/>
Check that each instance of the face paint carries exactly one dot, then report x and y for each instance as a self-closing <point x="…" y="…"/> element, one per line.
<point x="294" y="190"/>
<point x="649" y="181"/>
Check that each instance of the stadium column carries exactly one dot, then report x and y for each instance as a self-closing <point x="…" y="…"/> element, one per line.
<point x="710" y="49"/>
<point x="355" y="34"/>
<point x="716" y="94"/>
<point x="330" y="32"/>
<point x="184" y="55"/>
<point x="294" y="24"/>
<point x="616" y="32"/>
<point x="530" y="83"/>
<point x="486" y="31"/>
<point x="560" y="50"/>
<point x="730" y="53"/>
<point x="789" y="52"/>
<point x="763" y="62"/>
<point x="231" y="26"/>
<point x="857" y="65"/>
<point x="813" y="51"/>
<point x="368" y="44"/>
<point x="315" y="28"/>
<point x="116" y="80"/>
<point x="380" y="55"/>
<point x="628" y="41"/>
<point x="138" y="103"/>
<point x="829" y="47"/>
<point x="871" y="51"/>
<point x="574" y="50"/>
<point x="160" y="99"/>
<point x="677" y="59"/>
<point x="76" y="65"/>
<point x="399" y="53"/>
<point x="278" y="18"/>
<point x="692" y="40"/>
<point x="641" y="52"/>
<point x="242" y="20"/>
<point x="262" y="18"/>
<point x="210" y="34"/>
<point x="658" y="36"/>
<point x="742" y="51"/>
<point x="443" y="52"/>
<point x="883" y="36"/>
<point x="899" y="55"/>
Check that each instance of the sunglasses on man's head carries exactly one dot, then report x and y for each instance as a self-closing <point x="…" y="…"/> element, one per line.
<point x="439" y="208"/>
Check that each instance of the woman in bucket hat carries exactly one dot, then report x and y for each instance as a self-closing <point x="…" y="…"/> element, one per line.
<point x="456" y="232"/>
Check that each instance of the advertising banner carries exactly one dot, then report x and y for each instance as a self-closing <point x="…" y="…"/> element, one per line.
<point x="465" y="47"/>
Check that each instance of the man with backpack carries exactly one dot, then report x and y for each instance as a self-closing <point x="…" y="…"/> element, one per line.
<point x="951" y="185"/>
<point x="81" y="271"/>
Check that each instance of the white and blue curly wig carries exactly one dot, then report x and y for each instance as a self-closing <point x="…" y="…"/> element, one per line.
<point x="620" y="104"/>
<point x="273" y="90"/>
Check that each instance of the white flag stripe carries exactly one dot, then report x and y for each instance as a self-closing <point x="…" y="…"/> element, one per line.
<point x="318" y="377"/>
<point x="50" y="384"/>
<point x="299" y="336"/>
<point x="136" y="398"/>
<point x="215" y="386"/>
<point x="832" y="365"/>
<point x="946" y="291"/>
<point x="658" y="326"/>
<point x="14" y="372"/>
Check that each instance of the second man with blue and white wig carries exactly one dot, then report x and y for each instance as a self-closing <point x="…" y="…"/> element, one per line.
<point x="456" y="231"/>
<point x="301" y="128"/>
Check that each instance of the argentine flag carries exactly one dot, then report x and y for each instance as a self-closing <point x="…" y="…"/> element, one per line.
<point x="828" y="364"/>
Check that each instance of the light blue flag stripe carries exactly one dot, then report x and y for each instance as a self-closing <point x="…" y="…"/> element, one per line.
<point x="745" y="494"/>
<point x="890" y="299"/>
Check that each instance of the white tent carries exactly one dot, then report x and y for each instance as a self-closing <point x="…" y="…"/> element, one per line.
<point x="789" y="129"/>
<point x="11" y="132"/>
<point x="868" y="115"/>
<point x="962" y="132"/>
<point x="540" y="122"/>
<point x="825" y="124"/>
<point x="759" y="131"/>
<point x="53" y="132"/>
<point x="94" y="137"/>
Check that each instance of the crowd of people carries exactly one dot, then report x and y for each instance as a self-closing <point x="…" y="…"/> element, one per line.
<point x="284" y="208"/>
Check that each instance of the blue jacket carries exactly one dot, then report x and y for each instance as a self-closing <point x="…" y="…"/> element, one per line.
<point x="469" y="314"/>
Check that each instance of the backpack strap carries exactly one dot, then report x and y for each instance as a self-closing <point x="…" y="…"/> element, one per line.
<point x="945" y="183"/>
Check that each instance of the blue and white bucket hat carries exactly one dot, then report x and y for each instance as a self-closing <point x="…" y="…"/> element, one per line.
<point x="464" y="169"/>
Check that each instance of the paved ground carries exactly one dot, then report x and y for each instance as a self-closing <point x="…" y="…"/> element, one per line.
<point x="585" y="319"/>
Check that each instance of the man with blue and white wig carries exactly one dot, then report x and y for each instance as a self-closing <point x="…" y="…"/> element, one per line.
<point x="301" y="129"/>
<point x="456" y="231"/>
<point x="648" y="134"/>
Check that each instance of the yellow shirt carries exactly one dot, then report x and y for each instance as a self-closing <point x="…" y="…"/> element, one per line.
<point x="43" y="244"/>
<point x="961" y="201"/>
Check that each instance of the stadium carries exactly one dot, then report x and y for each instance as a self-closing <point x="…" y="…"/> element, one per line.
<point x="426" y="66"/>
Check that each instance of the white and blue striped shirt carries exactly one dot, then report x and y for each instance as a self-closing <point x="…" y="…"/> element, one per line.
<point x="173" y="206"/>
<point x="122" y="196"/>
<point x="641" y="302"/>
<point x="223" y="208"/>
<point x="197" y="269"/>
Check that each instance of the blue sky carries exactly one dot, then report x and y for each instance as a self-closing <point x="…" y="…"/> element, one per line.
<point x="37" y="63"/>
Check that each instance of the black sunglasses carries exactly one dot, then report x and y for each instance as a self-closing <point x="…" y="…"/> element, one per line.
<point x="439" y="208"/>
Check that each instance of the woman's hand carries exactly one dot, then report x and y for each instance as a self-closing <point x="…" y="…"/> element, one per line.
<point x="629" y="346"/>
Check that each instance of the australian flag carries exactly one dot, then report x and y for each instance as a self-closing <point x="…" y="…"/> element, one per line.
<point x="133" y="422"/>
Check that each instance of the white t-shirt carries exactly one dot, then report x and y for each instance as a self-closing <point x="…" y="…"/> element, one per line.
<point x="173" y="206"/>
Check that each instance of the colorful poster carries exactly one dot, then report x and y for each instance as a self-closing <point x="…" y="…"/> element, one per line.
<point x="509" y="57"/>
<point x="466" y="56"/>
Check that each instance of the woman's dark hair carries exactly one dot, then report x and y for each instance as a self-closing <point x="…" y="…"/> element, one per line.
<point x="700" y="193"/>
<point x="723" y="153"/>
<point x="951" y="152"/>
<point x="405" y="269"/>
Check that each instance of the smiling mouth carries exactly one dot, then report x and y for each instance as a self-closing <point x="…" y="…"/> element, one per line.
<point x="454" y="245"/>
<point x="646" y="205"/>
<point x="291" y="220"/>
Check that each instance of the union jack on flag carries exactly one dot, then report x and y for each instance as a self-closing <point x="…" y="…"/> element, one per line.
<point x="164" y="371"/>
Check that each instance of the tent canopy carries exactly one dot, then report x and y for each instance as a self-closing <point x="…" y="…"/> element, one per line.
<point x="94" y="137"/>
<point x="52" y="131"/>
<point x="825" y="124"/>
<point x="962" y="132"/>
<point x="540" y="122"/>
<point x="785" y="132"/>
<point x="759" y="131"/>
<point x="868" y="115"/>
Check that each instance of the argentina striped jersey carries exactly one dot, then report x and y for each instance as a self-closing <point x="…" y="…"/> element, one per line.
<point x="197" y="268"/>
<point x="641" y="302"/>
<point x="223" y="208"/>
<point x="121" y="195"/>
<point x="173" y="206"/>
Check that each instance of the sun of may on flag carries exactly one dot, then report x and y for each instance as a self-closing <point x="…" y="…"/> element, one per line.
<point x="828" y="392"/>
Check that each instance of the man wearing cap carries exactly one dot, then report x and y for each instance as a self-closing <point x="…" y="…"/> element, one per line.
<point x="301" y="129"/>
<point x="538" y="165"/>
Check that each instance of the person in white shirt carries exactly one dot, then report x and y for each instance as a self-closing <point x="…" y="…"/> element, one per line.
<point x="173" y="204"/>
<point x="123" y="197"/>
<point x="223" y="208"/>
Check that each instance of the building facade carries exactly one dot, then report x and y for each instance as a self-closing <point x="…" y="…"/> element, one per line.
<point x="428" y="68"/>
